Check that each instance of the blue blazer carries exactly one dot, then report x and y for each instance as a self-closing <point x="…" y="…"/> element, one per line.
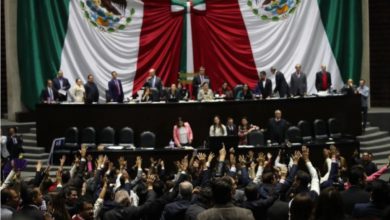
<point x="116" y="96"/>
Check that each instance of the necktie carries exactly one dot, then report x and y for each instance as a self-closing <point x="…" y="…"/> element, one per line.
<point x="154" y="82"/>
<point x="117" y="86"/>
<point x="201" y="79"/>
<point x="15" y="141"/>
<point x="51" y="94"/>
<point x="61" y="83"/>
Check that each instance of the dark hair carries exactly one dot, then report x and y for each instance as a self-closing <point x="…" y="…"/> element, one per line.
<point x="263" y="73"/>
<point x="380" y="193"/>
<point x="219" y="125"/>
<point x="205" y="196"/>
<point x="179" y="119"/>
<point x="5" y="195"/>
<point x="80" y="204"/>
<point x="77" y="79"/>
<point x="28" y="195"/>
<point x="89" y="76"/>
<point x="159" y="187"/>
<point x="329" y="205"/>
<point x="301" y="207"/>
<point x="356" y="175"/>
<point x="251" y="192"/>
<point x="303" y="177"/>
<point x="222" y="190"/>
<point x="58" y="203"/>
<point x="267" y="177"/>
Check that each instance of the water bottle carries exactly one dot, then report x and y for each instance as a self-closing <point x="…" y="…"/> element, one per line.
<point x="171" y="144"/>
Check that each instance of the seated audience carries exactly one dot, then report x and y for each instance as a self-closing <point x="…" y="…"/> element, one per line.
<point x="225" y="91"/>
<point x="77" y="92"/>
<point x="277" y="128"/>
<point x="244" y="129"/>
<point x="231" y="128"/>
<point x="49" y="94"/>
<point x="183" y="91"/>
<point x="173" y="94"/>
<point x="182" y="133"/>
<point x="9" y="203"/>
<point x="217" y="128"/>
<point x="84" y="210"/>
<point x="199" y="80"/>
<point x="329" y="205"/>
<point x="205" y="94"/>
<point x="245" y="93"/>
<point x="202" y="201"/>
<point x="178" y="208"/>
<point x="368" y="165"/>
<point x="264" y="86"/>
<point x="147" y="95"/>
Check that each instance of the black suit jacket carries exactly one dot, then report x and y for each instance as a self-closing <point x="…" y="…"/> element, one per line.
<point x="175" y="210"/>
<point x="264" y="91"/>
<point x="29" y="213"/>
<point x="319" y="81"/>
<point x="45" y="95"/>
<point x="281" y="85"/>
<point x="232" y="131"/>
<point x="197" y="82"/>
<point x="14" y="148"/>
<point x="116" y="96"/>
<point x="157" y="84"/>
<point x="57" y="86"/>
<point x="91" y="93"/>
<point x="353" y="196"/>
<point x="277" y="130"/>
<point x="278" y="211"/>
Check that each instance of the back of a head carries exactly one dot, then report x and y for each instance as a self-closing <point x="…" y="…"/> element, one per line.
<point x="356" y="175"/>
<point x="303" y="177"/>
<point x="329" y="205"/>
<point x="222" y="190"/>
<point x="122" y="197"/>
<point x="185" y="190"/>
<point x="301" y="207"/>
<point x="251" y="192"/>
<point x="205" y="196"/>
<point x="380" y="193"/>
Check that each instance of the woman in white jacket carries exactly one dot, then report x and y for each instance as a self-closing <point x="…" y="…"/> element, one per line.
<point x="77" y="92"/>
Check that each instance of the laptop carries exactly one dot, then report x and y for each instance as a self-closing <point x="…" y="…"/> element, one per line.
<point x="215" y="143"/>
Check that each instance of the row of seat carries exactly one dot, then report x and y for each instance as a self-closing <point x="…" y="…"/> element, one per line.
<point x="302" y="133"/>
<point x="73" y="139"/>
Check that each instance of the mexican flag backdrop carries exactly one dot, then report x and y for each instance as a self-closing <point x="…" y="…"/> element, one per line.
<point x="232" y="39"/>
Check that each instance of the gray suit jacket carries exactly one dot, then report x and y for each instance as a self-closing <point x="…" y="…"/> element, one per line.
<point x="298" y="85"/>
<point x="226" y="212"/>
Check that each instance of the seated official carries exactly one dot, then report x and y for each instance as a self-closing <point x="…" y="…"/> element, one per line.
<point x="205" y="94"/>
<point x="77" y="92"/>
<point x="91" y="91"/>
<point x="277" y="128"/>
<point x="173" y="94"/>
<point x="182" y="133"/>
<point x="199" y="80"/>
<point x="244" y="129"/>
<point x="183" y="91"/>
<point x="147" y="95"/>
<point x="231" y="128"/>
<point x="225" y="91"/>
<point x="217" y="128"/>
<point x="323" y="80"/>
<point x="349" y="88"/>
<point x="264" y="86"/>
<point x="245" y="93"/>
<point x="49" y="94"/>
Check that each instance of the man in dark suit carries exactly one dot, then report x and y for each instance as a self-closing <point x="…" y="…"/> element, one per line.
<point x="323" y="80"/>
<point x="298" y="82"/>
<point x="177" y="209"/>
<point x="91" y="91"/>
<point x="231" y="128"/>
<point x="32" y="200"/>
<point x="277" y="127"/>
<point x="14" y="143"/>
<point x="264" y="86"/>
<point x="199" y="80"/>
<point x="378" y="202"/>
<point x="49" y="94"/>
<point x="115" y="88"/>
<point x="356" y="193"/>
<point x="153" y="81"/>
<point x="61" y="85"/>
<point x="224" y="208"/>
<point x="281" y="83"/>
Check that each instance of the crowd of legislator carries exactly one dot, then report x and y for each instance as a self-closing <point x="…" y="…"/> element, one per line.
<point x="223" y="186"/>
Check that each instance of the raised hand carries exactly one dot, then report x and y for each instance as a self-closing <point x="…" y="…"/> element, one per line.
<point x="261" y="159"/>
<point x="201" y="156"/>
<point x="210" y="157"/>
<point x="38" y="167"/>
<point x="222" y="153"/>
<point x="83" y="150"/>
<point x="63" y="159"/>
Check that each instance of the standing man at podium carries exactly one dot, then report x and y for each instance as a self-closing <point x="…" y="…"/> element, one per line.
<point x="115" y="88"/>
<point x="198" y="81"/>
